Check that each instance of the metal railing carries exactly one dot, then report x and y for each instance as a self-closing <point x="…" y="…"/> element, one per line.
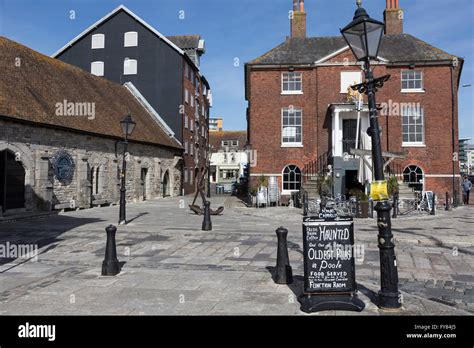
<point x="318" y="166"/>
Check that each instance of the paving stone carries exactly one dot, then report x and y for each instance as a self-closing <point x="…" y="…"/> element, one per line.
<point x="170" y="256"/>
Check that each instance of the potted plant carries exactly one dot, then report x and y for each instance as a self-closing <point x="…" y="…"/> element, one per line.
<point x="253" y="194"/>
<point x="363" y="203"/>
<point x="392" y="186"/>
<point x="325" y="186"/>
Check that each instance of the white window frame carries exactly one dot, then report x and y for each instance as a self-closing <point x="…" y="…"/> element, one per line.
<point x="192" y="101"/>
<point x="130" y="39"/>
<point x="186" y="96"/>
<point x="185" y="120"/>
<point x="130" y="63"/>
<point x="98" y="41"/>
<point x="295" y="143"/>
<point x="291" y="81"/>
<point x="408" y="112"/>
<point x="349" y="81"/>
<point x="288" y="192"/>
<point x="414" y="79"/>
<point x="98" y="65"/>
<point x="186" y="178"/>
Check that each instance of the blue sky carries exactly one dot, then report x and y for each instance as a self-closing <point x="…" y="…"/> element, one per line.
<point x="241" y="30"/>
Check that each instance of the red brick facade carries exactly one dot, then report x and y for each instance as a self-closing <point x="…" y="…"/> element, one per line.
<point x="321" y="88"/>
<point x="194" y="136"/>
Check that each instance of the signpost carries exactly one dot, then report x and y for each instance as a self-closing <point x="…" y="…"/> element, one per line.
<point x="329" y="267"/>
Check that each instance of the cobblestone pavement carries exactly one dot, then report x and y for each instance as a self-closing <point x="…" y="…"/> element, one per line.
<point x="172" y="267"/>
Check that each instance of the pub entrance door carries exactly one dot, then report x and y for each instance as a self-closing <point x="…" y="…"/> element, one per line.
<point x="12" y="182"/>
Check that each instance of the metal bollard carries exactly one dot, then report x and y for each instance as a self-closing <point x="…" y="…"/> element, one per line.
<point x="305" y="204"/>
<point x="447" y="202"/>
<point x="206" y="223"/>
<point x="433" y="206"/>
<point x="110" y="266"/>
<point x="284" y="273"/>
<point x="371" y="208"/>
<point x="395" y="207"/>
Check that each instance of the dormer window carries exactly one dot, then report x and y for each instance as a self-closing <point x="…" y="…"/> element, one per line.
<point x="98" y="41"/>
<point x="130" y="39"/>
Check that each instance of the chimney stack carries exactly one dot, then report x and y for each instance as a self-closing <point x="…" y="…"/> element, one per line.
<point x="298" y="20"/>
<point x="393" y="16"/>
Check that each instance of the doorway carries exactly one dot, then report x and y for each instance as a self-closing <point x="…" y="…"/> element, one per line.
<point x="12" y="182"/>
<point x="351" y="183"/>
<point x="143" y="178"/>
<point x="166" y="184"/>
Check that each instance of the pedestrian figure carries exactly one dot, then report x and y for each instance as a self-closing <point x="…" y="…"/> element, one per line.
<point x="466" y="188"/>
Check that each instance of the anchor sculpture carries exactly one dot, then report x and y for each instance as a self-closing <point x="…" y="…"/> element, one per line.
<point x="200" y="190"/>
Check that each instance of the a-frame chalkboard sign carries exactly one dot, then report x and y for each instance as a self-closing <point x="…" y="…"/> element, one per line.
<point x="329" y="267"/>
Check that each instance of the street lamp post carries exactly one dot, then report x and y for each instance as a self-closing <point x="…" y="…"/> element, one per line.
<point x="128" y="126"/>
<point x="363" y="35"/>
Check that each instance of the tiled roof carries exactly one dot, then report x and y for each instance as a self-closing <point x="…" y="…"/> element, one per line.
<point x="216" y="138"/>
<point x="32" y="84"/>
<point x="185" y="41"/>
<point x="395" y="48"/>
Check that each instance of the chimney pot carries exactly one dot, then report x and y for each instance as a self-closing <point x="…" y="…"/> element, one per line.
<point x="393" y="16"/>
<point x="298" y="21"/>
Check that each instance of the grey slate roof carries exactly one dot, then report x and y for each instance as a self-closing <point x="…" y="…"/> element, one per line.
<point x="185" y="41"/>
<point x="189" y="44"/>
<point x="395" y="48"/>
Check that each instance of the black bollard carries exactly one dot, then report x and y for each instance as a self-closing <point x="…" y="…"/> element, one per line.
<point x="206" y="223"/>
<point x="447" y="202"/>
<point x="433" y="206"/>
<point x="284" y="273"/>
<point x="371" y="208"/>
<point x="110" y="266"/>
<point x="395" y="207"/>
<point x="305" y="203"/>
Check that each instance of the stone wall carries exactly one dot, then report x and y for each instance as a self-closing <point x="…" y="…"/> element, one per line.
<point x="96" y="177"/>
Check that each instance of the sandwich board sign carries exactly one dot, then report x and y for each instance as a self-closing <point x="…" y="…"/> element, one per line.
<point x="329" y="266"/>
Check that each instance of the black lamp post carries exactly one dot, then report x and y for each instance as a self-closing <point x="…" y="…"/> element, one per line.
<point x="128" y="125"/>
<point x="363" y="35"/>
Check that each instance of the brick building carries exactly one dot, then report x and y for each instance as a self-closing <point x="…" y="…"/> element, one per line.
<point x="228" y="156"/>
<point x="302" y="117"/>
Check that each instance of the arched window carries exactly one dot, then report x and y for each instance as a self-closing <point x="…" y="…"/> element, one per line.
<point x="413" y="176"/>
<point x="291" y="178"/>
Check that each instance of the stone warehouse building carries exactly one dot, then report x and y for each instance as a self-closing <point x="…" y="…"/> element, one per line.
<point x="122" y="47"/>
<point x="61" y="138"/>
<point x="303" y="119"/>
